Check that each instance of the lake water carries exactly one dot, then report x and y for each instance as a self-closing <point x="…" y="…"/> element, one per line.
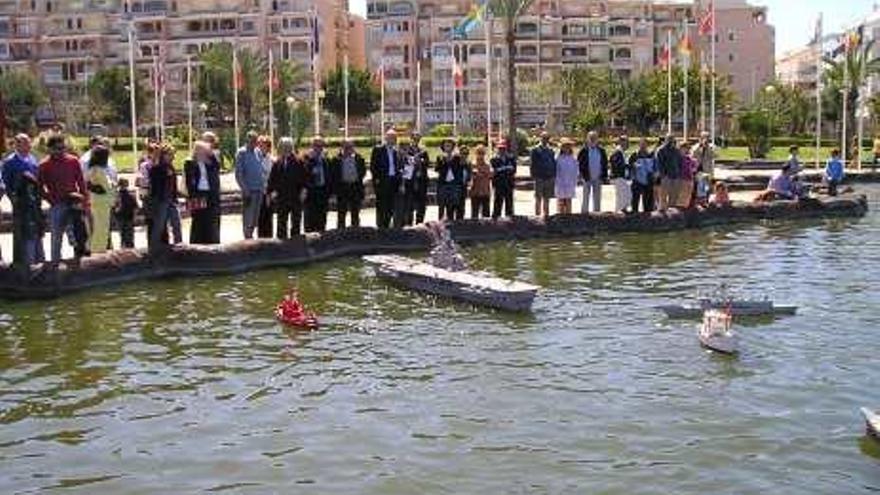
<point x="190" y="386"/>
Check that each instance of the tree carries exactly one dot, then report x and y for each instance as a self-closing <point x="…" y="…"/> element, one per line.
<point x="510" y="11"/>
<point x="215" y="85"/>
<point x="849" y="75"/>
<point x="791" y="109"/>
<point x="597" y="98"/>
<point x="755" y="126"/>
<point x="363" y="94"/>
<point x="22" y="94"/>
<point x="110" y="96"/>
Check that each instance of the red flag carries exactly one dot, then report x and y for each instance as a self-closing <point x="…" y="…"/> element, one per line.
<point x="458" y="75"/>
<point x="707" y="21"/>
<point x="237" y="75"/>
<point x="665" y="57"/>
<point x="275" y="80"/>
<point x="379" y="75"/>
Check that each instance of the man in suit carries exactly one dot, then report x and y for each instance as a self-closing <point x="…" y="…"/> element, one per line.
<point x="287" y="184"/>
<point x="593" y="164"/>
<point x="317" y="187"/>
<point x="348" y="170"/>
<point x="386" y="168"/>
<point x="417" y="184"/>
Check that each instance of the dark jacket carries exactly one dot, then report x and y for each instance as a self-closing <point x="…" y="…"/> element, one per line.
<point x="669" y="161"/>
<point x="583" y="159"/>
<point x="336" y="173"/>
<point x="543" y="162"/>
<point x="318" y="166"/>
<point x="287" y="178"/>
<point x="421" y="162"/>
<point x="503" y="170"/>
<point x="126" y="205"/>
<point x="453" y="163"/>
<point x="618" y="164"/>
<point x="379" y="168"/>
<point x="192" y="175"/>
<point x="163" y="182"/>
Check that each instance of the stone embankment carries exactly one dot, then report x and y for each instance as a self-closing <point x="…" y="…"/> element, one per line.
<point x="125" y="266"/>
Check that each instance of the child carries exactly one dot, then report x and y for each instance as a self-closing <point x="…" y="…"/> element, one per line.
<point x="834" y="172"/>
<point x="125" y="208"/>
<point x="720" y="198"/>
<point x="703" y="189"/>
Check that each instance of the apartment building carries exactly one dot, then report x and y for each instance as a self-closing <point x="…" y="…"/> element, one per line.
<point x="414" y="37"/>
<point x="66" y="40"/>
<point x="745" y="48"/>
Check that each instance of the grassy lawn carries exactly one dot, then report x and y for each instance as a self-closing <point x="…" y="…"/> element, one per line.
<point x="125" y="160"/>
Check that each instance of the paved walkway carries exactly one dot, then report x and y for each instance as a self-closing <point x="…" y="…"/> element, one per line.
<point x="231" y="230"/>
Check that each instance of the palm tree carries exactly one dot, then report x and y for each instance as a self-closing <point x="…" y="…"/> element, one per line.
<point x="850" y="75"/>
<point x="510" y="11"/>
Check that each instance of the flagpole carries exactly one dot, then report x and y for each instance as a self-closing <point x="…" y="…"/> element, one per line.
<point x="382" y="99"/>
<point x="271" y="96"/>
<point x="455" y="68"/>
<point x="161" y="96"/>
<point x="713" y="109"/>
<point x="189" y="102"/>
<point x="235" y="87"/>
<point x="819" y="91"/>
<point x="419" y="95"/>
<point x="702" y="92"/>
<point x="316" y="100"/>
<point x="669" y="81"/>
<point x="347" y="90"/>
<point x="846" y="84"/>
<point x="132" y="88"/>
<point x="488" y="27"/>
<point x="687" y="60"/>
<point x="156" y="97"/>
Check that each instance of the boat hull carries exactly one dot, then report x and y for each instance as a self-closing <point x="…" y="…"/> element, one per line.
<point x="473" y="287"/>
<point x="696" y="312"/>
<point x="724" y="345"/>
<point x="872" y="422"/>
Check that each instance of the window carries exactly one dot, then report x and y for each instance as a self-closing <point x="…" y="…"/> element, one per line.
<point x="730" y="57"/>
<point x="731" y="36"/>
<point x="247" y="26"/>
<point x="79" y="23"/>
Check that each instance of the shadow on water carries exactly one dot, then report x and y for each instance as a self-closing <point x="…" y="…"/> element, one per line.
<point x="870" y="446"/>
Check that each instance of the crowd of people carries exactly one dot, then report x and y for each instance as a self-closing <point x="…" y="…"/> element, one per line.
<point x="670" y="175"/>
<point x="289" y="192"/>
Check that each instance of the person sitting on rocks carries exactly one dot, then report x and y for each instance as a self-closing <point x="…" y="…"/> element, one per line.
<point x="782" y="186"/>
<point x="721" y="196"/>
<point x="834" y="172"/>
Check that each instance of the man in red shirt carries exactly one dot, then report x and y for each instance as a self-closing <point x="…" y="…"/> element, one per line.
<point x="63" y="186"/>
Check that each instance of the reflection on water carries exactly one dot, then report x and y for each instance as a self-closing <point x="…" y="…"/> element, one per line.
<point x="181" y="386"/>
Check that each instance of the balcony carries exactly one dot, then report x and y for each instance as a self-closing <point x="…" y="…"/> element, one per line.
<point x="393" y="60"/>
<point x="398" y="84"/>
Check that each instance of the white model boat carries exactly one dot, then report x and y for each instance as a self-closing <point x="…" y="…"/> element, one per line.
<point x="737" y="307"/>
<point x="872" y="422"/>
<point x="474" y="287"/>
<point x="716" y="333"/>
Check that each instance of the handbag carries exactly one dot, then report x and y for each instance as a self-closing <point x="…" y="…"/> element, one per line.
<point x="196" y="204"/>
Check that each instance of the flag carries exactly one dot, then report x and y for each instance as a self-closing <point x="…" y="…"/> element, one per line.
<point x="665" y="57"/>
<point x="707" y="21"/>
<point x="685" y="47"/>
<point x="457" y="75"/>
<point x="275" y="80"/>
<point x="316" y="37"/>
<point x="237" y="75"/>
<point x="379" y="75"/>
<point x="475" y="16"/>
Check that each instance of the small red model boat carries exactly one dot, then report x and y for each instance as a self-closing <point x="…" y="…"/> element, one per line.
<point x="291" y="312"/>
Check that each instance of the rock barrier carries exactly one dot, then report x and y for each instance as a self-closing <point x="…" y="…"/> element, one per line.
<point x="126" y="266"/>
